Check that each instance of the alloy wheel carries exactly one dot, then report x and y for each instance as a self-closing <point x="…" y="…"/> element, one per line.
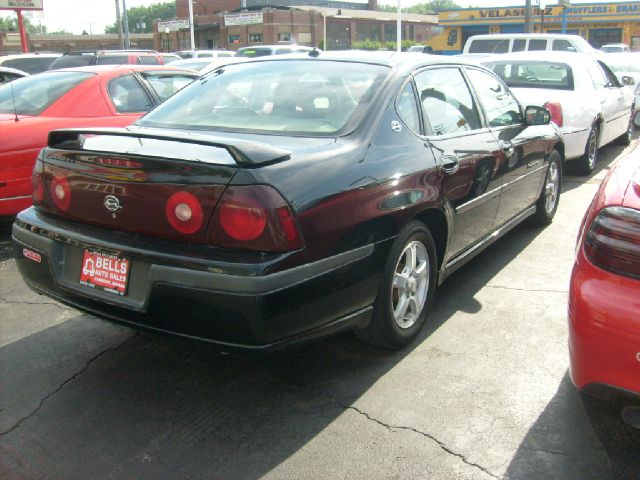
<point x="592" y="149"/>
<point x="410" y="284"/>
<point x="552" y="187"/>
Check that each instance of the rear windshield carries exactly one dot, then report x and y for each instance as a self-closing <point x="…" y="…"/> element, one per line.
<point x="292" y="96"/>
<point x="32" y="95"/>
<point x="489" y="46"/>
<point x="112" y="60"/>
<point x="72" y="61"/>
<point x="254" y="52"/>
<point x="29" y="64"/>
<point x="521" y="74"/>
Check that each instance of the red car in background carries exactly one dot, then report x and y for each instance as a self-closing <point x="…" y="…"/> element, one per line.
<point x="604" y="296"/>
<point x="80" y="97"/>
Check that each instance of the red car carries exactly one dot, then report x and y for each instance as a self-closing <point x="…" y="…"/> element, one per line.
<point x="80" y="97"/>
<point x="604" y="298"/>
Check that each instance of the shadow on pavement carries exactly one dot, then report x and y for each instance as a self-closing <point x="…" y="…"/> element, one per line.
<point x="159" y="407"/>
<point x="6" y="250"/>
<point x="577" y="437"/>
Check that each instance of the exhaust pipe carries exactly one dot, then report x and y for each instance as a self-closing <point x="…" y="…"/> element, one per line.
<point x="631" y="416"/>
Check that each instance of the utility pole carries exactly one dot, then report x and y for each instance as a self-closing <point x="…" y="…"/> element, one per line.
<point x="528" y="28"/>
<point x="399" y="29"/>
<point x="125" y="20"/>
<point x="193" y="41"/>
<point x="119" y="25"/>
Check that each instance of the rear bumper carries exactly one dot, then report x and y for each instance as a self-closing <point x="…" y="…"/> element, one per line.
<point x="184" y="290"/>
<point x="604" y="331"/>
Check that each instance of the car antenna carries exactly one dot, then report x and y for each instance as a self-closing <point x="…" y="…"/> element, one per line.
<point x="13" y="97"/>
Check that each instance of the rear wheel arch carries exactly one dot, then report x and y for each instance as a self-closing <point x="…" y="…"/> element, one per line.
<point x="560" y="148"/>
<point x="436" y="221"/>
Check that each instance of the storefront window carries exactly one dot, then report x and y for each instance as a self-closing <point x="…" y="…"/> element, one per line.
<point x="255" y="38"/>
<point x="284" y="37"/>
<point x="234" y="39"/>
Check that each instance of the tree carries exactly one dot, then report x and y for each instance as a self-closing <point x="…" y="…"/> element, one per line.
<point x="431" y="7"/>
<point x="10" y="24"/>
<point x="139" y="16"/>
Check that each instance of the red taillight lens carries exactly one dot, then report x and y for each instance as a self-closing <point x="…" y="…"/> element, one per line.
<point x="243" y="218"/>
<point x="555" y="109"/>
<point x="613" y="241"/>
<point x="254" y="217"/>
<point x="60" y="192"/>
<point x="184" y="212"/>
<point x="37" y="183"/>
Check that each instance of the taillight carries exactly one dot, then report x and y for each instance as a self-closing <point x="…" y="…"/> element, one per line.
<point x="60" y="192"/>
<point x="613" y="241"/>
<point x="555" y="109"/>
<point x="254" y="217"/>
<point x="184" y="212"/>
<point x="37" y="183"/>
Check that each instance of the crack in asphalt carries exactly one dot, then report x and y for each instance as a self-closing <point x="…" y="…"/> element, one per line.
<point x="441" y="444"/>
<point x="545" y="290"/>
<point x="62" y="385"/>
<point x="16" y="302"/>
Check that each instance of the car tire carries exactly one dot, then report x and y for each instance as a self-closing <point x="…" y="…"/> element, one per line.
<point x="588" y="161"/>
<point x="547" y="203"/>
<point x="626" y="138"/>
<point x="407" y="289"/>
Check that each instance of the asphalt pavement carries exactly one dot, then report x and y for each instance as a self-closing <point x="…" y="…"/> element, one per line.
<point x="484" y="393"/>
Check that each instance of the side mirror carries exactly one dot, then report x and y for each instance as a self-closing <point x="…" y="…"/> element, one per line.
<point x="536" y="115"/>
<point x="626" y="80"/>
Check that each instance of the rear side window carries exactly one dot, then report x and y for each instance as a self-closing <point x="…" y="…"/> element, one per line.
<point x="489" y="46"/>
<point x="31" y="64"/>
<point x="500" y="107"/>
<point x="447" y="102"/>
<point x="522" y="74"/>
<point x="408" y="108"/>
<point x="537" y="44"/>
<point x="225" y="54"/>
<point x="166" y="85"/>
<point x="32" y="95"/>
<point x="112" y="60"/>
<point x="518" y="45"/>
<point x="148" y="60"/>
<point x="68" y="61"/>
<point x="128" y="96"/>
<point x="203" y="55"/>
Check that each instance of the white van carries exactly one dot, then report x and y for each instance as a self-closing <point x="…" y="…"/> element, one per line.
<point x="520" y="42"/>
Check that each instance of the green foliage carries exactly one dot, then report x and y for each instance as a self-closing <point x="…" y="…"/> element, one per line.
<point x="376" y="45"/>
<point x="430" y="8"/>
<point x="10" y="24"/>
<point x="146" y="15"/>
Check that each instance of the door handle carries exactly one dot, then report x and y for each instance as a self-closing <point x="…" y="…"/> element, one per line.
<point x="506" y="147"/>
<point x="450" y="164"/>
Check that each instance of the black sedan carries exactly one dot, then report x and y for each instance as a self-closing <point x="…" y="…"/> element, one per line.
<point x="276" y="201"/>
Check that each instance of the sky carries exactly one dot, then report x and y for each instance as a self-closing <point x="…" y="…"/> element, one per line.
<point x="94" y="15"/>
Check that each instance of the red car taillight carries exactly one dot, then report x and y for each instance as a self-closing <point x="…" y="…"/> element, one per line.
<point x="60" y="192"/>
<point x="555" y="109"/>
<point x="37" y="183"/>
<point x="613" y="241"/>
<point x="184" y="212"/>
<point x="254" y="217"/>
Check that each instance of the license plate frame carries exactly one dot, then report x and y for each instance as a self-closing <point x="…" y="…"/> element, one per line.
<point x="105" y="272"/>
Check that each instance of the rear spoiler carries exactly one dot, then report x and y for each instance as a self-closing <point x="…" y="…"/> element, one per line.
<point x="166" y="145"/>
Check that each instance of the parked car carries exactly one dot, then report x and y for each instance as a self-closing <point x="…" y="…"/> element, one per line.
<point x="266" y="50"/>
<point x="626" y="65"/>
<point x="520" y="42"/>
<point x="189" y="54"/>
<point x="10" y="74"/>
<point x="108" y="57"/>
<point x="85" y="96"/>
<point x="201" y="64"/>
<point x="336" y="198"/>
<point x="169" y="57"/>
<point x="583" y="95"/>
<point x="604" y="333"/>
<point x="615" y="48"/>
<point x="420" y="49"/>
<point x="29" y="62"/>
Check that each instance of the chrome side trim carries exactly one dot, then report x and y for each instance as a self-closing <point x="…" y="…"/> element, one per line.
<point x="478" y="200"/>
<point x="14" y="198"/>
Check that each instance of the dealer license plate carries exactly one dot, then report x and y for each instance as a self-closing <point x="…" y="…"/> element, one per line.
<point x="109" y="273"/>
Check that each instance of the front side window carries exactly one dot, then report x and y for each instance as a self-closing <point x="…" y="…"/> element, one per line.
<point x="32" y="95"/>
<point x="128" y="96"/>
<point x="446" y="101"/>
<point x="563" y="46"/>
<point x="500" y="107"/>
<point x="596" y="73"/>
<point x="534" y="74"/>
<point x="303" y="97"/>
<point x="408" y="108"/>
<point x="612" y="80"/>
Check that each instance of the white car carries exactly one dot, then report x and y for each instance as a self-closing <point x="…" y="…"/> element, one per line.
<point x="585" y="99"/>
<point x="29" y="62"/>
<point x="626" y="65"/>
<point x="615" y="48"/>
<point x="204" y="53"/>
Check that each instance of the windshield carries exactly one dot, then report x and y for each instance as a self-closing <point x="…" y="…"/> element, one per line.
<point x="32" y="95"/>
<point x="528" y="74"/>
<point x="294" y="96"/>
<point x="254" y="52"/>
